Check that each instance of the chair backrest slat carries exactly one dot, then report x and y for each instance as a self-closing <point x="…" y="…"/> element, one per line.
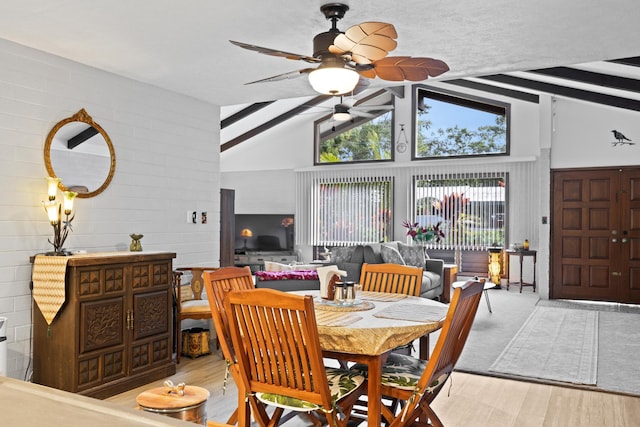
<point x="391" y="278"/>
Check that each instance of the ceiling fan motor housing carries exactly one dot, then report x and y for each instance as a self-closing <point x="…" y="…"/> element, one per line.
<point x="322" y="41"/>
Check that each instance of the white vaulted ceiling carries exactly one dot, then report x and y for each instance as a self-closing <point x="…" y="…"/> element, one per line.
<point x="184" y="46"/>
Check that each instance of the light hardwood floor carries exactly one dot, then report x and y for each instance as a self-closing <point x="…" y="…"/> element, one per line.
<point x="470" y="401"/>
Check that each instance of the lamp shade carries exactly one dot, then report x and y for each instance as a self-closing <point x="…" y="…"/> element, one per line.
<point x="52" y="187"/>
<point x="341" y="117"/>
<point x="52" y="211"/>
<point x="245" y="232"/>
<point x="333" y="80"/>
<point x="68" y="201"/>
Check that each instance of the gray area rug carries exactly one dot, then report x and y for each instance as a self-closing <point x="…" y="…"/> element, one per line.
<point x="618" y="338"/>
<point x="555" y="344"/>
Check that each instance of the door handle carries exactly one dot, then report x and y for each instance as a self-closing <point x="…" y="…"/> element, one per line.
<point x="614" y="240"/>
<point x="624" y="240"/>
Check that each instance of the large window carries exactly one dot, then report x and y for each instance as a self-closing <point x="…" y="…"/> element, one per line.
<point x="351" y="210"/>
<point x="469" y="208"/>
<point x="454" y="126"/>
<point x="366" y="136"/>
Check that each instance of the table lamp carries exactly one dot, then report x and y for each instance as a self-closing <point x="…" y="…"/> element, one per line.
<point x="246" y="233"/>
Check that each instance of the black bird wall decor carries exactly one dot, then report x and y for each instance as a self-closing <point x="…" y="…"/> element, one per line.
<point x="621" y="139"/>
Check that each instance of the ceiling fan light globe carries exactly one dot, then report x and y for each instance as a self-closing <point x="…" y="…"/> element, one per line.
<point x="341" y="117"/>
<point x="333" y="80"/>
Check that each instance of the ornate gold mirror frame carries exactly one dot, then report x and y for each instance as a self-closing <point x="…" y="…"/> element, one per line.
<point x="69" y="169"/>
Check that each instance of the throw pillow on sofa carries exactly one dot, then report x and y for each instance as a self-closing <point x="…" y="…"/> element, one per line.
<point x="341" y="254"/>
<point x="391" y="255"/>
<point x="276" y="266"/>
<point x="411" y="254"/>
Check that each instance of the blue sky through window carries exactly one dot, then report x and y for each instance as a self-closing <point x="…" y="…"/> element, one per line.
<point x="445" y="115"/>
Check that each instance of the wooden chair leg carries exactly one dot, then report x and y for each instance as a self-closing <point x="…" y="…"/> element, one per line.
<point x="424" y="347"/>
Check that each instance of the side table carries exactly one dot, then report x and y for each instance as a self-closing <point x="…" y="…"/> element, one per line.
<point x="191" y="406"/>
<point x="521" y="254"/>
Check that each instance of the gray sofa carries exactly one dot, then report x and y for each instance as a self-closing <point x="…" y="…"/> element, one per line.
<point x="351" y="258"/>
<point x="289" y="285"/>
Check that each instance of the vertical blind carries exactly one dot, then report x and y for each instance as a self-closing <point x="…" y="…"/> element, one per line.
<point x="470" y="208"/>
<point x="326" y="196"/>
<point x="350" y="209"/>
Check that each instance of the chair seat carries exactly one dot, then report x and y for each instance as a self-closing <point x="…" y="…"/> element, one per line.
<point x="403" y="372"/>
<point x="195" y="306"/>
<point x="341" y="383"/>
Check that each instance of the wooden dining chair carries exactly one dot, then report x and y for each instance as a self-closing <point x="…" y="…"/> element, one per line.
<point x="415" y="382"/>
<point x="276" y="340"/>
<point x="189" y="301"/>
<point x="398" y="279"/>
<point x="218" y="284"/>
<point x="391" y="278"/>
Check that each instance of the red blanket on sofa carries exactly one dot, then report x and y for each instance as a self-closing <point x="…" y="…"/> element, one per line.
<point x="287" y="275"/>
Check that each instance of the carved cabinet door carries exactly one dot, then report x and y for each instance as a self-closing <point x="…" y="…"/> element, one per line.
<point x="149" y="318"/>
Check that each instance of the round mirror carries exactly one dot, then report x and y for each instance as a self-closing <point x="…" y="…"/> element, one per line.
<point x="80" y="153"/>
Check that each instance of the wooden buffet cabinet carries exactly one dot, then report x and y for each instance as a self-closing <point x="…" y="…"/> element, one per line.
<point x="114" y="331"/>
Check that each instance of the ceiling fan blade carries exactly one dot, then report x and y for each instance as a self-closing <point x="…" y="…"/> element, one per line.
<point x="366" y="42"/>
<point x="361" y="113"/>
<point x="399" y="68"/>
<point x="274" y="52"/>
<point x="283" y="76"/>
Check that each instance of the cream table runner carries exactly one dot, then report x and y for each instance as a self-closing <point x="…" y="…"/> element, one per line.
<point x="49" y="284"/>
<point x="414" y="312"/>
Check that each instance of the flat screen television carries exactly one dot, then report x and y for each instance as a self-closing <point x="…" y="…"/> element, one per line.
<point x="264" y="232"/>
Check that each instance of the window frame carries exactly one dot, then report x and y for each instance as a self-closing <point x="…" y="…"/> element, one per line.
<point x="463" y="100"/>
<point x="318" y="139"/>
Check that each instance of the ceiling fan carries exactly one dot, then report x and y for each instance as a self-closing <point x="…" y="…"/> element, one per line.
<point x="350" y="58"/>
<point x="347" y="110"/>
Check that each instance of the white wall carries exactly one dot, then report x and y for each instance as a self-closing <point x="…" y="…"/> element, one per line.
<point x="167" y="162"/>
<point x="582" y="135"/>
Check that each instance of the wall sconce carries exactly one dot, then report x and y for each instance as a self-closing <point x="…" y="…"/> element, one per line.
<point x="494" y="265"/>
<point x="54" y="210"/>
<point x="246" y="233"/>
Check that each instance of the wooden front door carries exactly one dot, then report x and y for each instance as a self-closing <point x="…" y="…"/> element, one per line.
<point x="595" y="252"/>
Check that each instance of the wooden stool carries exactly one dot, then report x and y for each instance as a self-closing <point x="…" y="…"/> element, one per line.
<point x="192" y="406"/>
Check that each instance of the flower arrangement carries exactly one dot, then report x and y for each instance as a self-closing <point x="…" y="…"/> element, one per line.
<point x="421" y="234"/>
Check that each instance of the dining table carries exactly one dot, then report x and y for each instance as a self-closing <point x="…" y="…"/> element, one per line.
<point x="367" y="329"/>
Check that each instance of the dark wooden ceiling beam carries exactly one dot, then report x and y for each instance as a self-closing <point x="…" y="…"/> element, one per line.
<point x="274" y="122"/>
<point x="245" y="112"/>
<point x="89" y="132"/>
<point x="599" y="98"/>
<point x="633" y="61"/>
<point x="590" y="77"/>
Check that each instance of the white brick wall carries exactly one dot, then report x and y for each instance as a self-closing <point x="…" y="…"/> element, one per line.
<point x="167" y="162"/>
